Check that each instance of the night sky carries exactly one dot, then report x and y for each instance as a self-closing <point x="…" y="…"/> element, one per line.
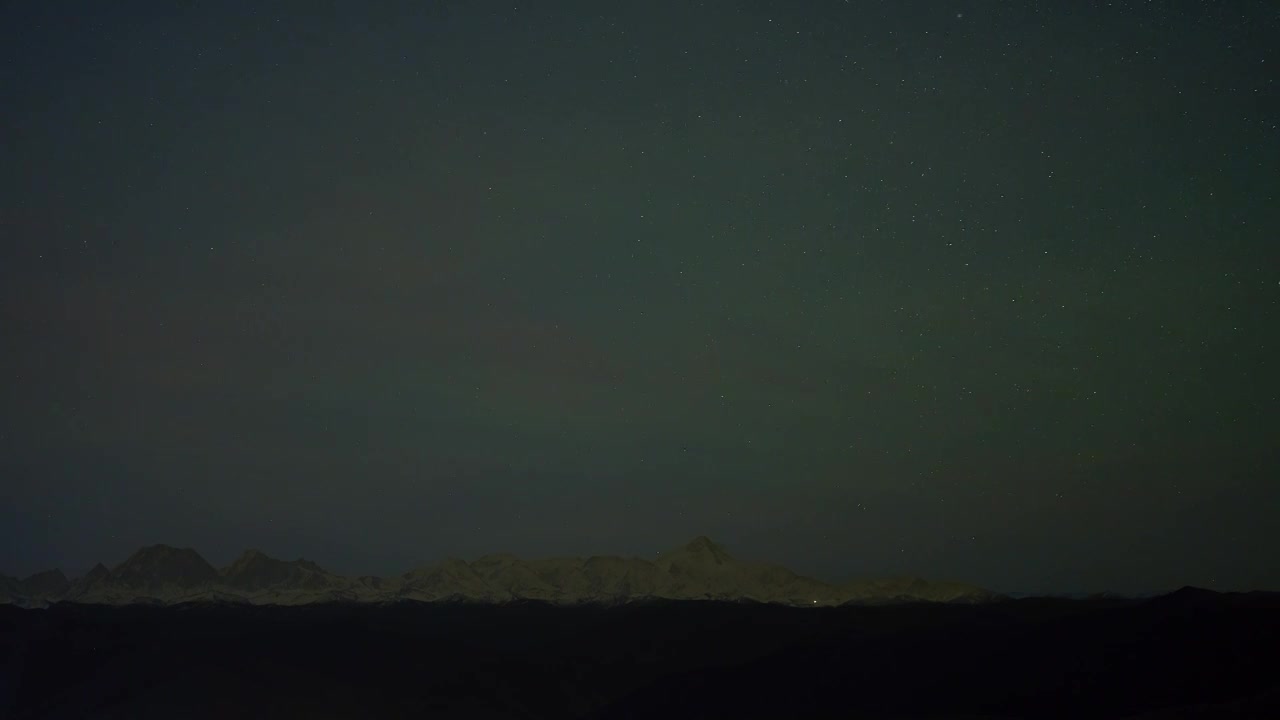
<point x="983" y="290"/>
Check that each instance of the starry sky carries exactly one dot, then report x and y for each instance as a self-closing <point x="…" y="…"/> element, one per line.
<point x="976" y="290"/>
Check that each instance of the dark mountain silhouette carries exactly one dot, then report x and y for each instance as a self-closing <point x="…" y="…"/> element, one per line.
<point x="49" y="583"/>
<point x="158" y="567"/>
<point x="255" y="570"/>
<point x="698" y="570"/>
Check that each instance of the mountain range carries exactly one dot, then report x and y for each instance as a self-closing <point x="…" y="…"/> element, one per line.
<point x="699" y="570"/>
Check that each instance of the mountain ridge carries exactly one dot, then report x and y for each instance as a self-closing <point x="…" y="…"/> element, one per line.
<point x="698" y="570"/>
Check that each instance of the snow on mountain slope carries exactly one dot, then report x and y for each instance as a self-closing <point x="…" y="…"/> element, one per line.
<point x="452" y="579"/>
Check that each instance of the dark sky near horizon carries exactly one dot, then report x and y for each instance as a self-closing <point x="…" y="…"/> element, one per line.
<point x="976" y="290"/>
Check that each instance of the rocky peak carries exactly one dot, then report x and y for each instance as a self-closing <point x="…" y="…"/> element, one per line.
<point x="255" y="570"/>
<point x="308" y="565"/>
<point x="704" y="550"/>
<point x="164" y="565"/>
<point x="248" y="559"/>
<point x="47" y="583"/>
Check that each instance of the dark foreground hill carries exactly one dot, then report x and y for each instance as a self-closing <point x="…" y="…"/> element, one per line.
<point x="1189" y="654"/>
